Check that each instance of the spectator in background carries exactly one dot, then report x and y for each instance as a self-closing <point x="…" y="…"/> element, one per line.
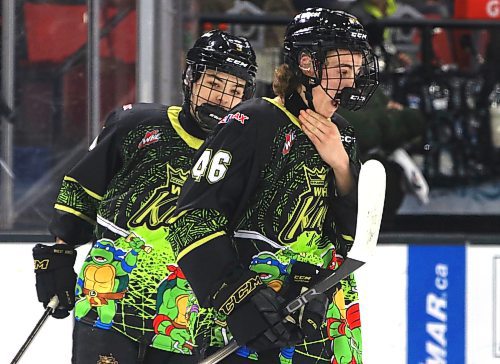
<point x="369" y="12"/>
<point x="434" y="7"/>
<point x="490" y="69"/>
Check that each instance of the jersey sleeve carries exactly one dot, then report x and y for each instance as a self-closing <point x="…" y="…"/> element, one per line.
<point x="222" y="180"/>
<point x="84" y="186"/>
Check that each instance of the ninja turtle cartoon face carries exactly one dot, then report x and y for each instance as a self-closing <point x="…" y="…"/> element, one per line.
<point x="103" y="251"/>
<point x="177" y="278"/>
<point x="270" y="269"/>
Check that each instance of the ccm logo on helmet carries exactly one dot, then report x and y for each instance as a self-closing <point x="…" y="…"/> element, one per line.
<point x="358" y="35"/>
<point x="357" y="98"/>
<point x="236" y="62"/>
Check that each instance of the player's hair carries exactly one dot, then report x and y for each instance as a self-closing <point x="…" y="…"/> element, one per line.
<point x="284" y="81"/>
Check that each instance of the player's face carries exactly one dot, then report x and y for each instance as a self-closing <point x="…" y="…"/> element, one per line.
<point x="219" y="89"/>
<point x="339" y="71"/>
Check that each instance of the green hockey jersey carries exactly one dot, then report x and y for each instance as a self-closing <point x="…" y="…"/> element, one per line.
<point x="119" y="196"/>
<point x="260" y="195"/>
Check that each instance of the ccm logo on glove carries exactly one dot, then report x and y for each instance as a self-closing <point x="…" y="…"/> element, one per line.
<point x="240" y="294"/>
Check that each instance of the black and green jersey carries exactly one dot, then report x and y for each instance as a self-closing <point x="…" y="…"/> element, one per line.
<point x="120" y="196"/>
<point x="259" y="194"/>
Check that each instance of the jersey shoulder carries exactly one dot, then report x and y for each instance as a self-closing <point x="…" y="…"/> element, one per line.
<point x="128" y="117"/>
<point x="256" y="112"/>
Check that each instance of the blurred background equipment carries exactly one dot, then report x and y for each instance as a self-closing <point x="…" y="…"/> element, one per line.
<point x="439" y="79"/>
<point x="384" y="130"/>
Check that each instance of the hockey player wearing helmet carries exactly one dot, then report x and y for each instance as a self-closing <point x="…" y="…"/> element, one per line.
<point x="133" y="303"/>
<point x="220" y="73"/>
<point x="270" y="205"/>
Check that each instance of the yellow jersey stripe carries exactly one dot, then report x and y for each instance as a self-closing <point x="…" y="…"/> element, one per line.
<point x="292" y="117"/>
<point x="173" y="116"/>
<point x="347" y="237"/>
<point x="74" y="212"/>
<point x="89" y="192"/>
<point x="199" y="243"/>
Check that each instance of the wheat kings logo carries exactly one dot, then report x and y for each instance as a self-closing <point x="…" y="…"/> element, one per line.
<point x="161" y="205"/>
<point x="310" y="212"/>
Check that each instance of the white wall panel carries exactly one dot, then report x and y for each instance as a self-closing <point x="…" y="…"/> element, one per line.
<point x="382" y="290"/>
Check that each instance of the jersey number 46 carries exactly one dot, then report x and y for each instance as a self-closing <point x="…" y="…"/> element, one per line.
<point x="213" y="168"/>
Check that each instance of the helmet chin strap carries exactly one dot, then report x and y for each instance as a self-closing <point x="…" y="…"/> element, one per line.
<point x="309" y="83"/>
<point x="309" y="97"/>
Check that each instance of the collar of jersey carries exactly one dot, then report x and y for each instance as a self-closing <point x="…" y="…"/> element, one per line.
<point x="173" y="116"/>
<point x="292" y="117"/>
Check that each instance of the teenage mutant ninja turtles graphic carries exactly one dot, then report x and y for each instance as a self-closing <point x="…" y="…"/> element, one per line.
<point x="270" y="269"/>
<point x="343" y="324"/>
<point x="308" y="248"/>
<point x="104" y="276"/>
<point x="342" y="330"/>
<point x="273" y="271"/>
<point x="171" y="323"/>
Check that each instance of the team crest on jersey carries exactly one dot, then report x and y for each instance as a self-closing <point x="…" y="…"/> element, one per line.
<point x="149" y="138"/>
<point x="239" y="116"/>
<point x="310" y="211"/>
<point x="158" y="209"/>
<point x="289" y="138"/>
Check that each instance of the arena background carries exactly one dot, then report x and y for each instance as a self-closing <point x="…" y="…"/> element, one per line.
<point x="430" y="295"/>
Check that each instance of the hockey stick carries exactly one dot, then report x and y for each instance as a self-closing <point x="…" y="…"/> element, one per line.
<point x="51" y="306"/>
<point x="371" y="194"/>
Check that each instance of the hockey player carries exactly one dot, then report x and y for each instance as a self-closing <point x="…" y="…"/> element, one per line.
<point x="133" y="304"/>
<point x="271" y="201"/>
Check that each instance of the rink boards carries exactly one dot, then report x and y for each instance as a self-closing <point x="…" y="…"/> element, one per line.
<point x="420" y="303"/>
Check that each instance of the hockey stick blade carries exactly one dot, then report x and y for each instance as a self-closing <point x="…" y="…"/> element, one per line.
<point x="371" y="194"/>
<point x="51" y="306"/>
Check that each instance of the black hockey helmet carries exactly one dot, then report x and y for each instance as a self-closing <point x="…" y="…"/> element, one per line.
<point x="222" y="52"/>
<point x="316" y="31"/>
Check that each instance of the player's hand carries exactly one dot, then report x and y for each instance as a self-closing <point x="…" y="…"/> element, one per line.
<point x="254" y="314"/>
<point x="325" y="136"/>
<point x="55" y="276"/>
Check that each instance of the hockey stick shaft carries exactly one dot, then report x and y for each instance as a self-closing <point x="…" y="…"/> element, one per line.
<point x="51" y="306"/>
<point x="371" y="195"/>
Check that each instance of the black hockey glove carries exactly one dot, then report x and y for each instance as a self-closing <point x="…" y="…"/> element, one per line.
<point x="254" y="313"/>
<point x="55" y="276"/>
<point x="302" y="277"/>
